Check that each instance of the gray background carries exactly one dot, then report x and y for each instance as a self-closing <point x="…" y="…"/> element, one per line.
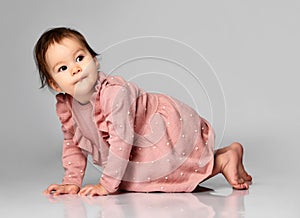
<point x="253" y="47"/>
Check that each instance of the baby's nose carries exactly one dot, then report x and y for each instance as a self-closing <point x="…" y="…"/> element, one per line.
<point x="76" y="69"/>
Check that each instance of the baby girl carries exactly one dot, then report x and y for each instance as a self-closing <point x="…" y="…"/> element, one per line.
<point x="143" y="142"/>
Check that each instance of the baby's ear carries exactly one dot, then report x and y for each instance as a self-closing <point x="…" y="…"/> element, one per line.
<point x="54" y="85"/>
<point x="97" y="62"/>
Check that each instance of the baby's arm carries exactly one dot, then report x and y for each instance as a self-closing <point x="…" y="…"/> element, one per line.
<point x="119" y="108"/>
<point x="118" y="105"/>
<point x="74" y="162"/>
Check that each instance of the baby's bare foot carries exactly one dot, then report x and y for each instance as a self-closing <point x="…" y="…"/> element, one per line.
<point x="228" y="161"/>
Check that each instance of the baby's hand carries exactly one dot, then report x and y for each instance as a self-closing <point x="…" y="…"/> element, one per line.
<point x="93" y="190"/>
<point x="56" y="189"/>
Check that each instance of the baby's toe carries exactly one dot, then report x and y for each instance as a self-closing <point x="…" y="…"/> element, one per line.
<point x="241" y="186"/>
<point x="245" y="175"/>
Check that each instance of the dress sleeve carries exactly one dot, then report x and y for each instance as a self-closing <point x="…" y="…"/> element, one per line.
<point x="119" y="105"/>
<point x="73" y="159"/>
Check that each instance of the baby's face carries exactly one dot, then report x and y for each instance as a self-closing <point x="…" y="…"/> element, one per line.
<point x="73" y="69"/>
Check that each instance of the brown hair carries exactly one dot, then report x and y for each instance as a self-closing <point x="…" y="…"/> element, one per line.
<point x="54" y="35"/>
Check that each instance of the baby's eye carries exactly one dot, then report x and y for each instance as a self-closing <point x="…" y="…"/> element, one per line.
<point x="79" y="58"/>
<point x="62" y="68"/>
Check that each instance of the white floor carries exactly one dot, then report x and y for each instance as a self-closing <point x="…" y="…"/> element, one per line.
<point x="268" y="196"/>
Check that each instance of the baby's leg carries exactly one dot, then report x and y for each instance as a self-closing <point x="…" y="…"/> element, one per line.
<point x="229" y="162"/>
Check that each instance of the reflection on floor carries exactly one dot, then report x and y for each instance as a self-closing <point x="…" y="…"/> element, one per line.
<point x="269" y="196"/>
<point x="202" y="203"/>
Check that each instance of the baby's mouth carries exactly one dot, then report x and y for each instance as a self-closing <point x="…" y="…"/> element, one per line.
<point x="83" y="75"/>
<point x="78" y="80"/>
<point x="82" y="78"/>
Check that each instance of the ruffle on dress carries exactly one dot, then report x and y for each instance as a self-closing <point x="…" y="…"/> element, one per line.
<point x="63" y="110"/>
<point x="95" y="99"/>
<point x="72" y="131"/>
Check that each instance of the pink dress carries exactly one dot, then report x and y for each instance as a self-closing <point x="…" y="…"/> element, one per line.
<point x="144" y="142"/>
